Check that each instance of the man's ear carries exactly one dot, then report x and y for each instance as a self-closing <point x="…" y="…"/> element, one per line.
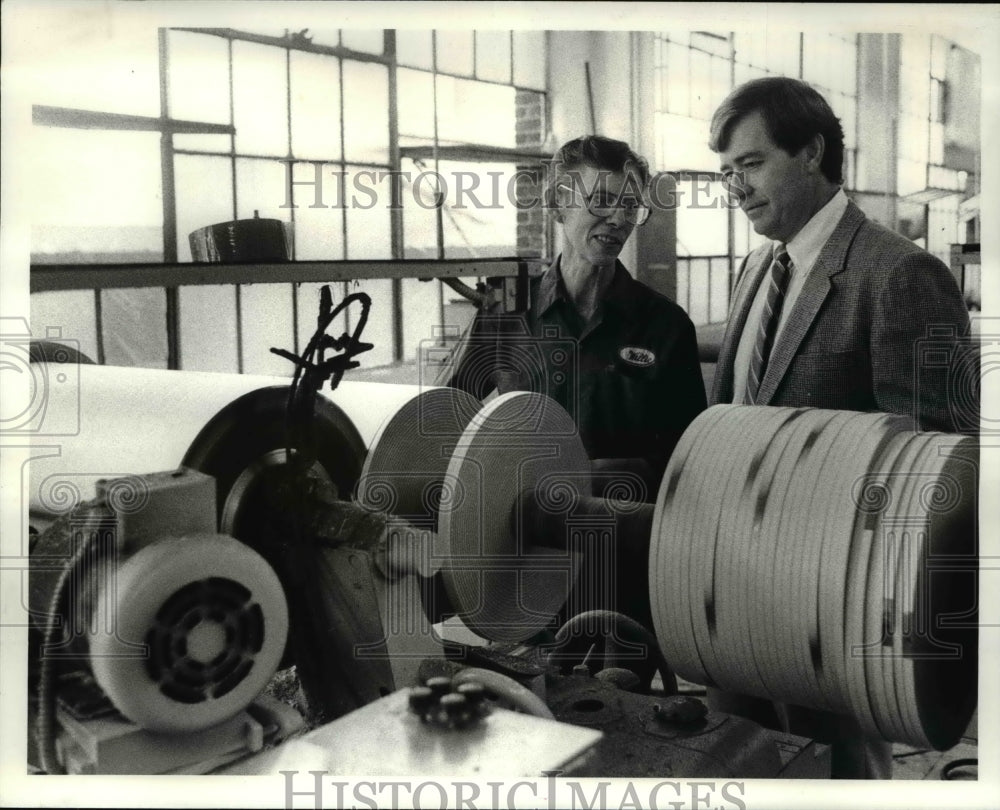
<point x="555" y="203"/>
<point x="813" y="152"/>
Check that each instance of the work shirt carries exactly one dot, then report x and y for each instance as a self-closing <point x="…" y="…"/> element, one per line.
<point x="630" y="378"/>
<point x="803" y="249"/>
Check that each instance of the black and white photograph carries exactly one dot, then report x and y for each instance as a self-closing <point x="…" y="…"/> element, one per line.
<point x="487" y="405"/>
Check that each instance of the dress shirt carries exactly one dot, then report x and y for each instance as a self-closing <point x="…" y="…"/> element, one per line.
<point x="803" y="249"/>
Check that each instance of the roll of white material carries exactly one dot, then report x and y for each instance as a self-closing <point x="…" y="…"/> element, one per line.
<point x="107" y="421"/>
<point x="825" y="559"/>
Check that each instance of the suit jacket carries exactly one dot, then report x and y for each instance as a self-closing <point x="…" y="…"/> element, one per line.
<point x="880" y="325"/>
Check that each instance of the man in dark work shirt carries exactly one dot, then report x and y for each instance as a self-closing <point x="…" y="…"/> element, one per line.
<point x="619" y="357"/>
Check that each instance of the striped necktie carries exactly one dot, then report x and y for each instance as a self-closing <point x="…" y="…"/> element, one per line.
<point x="781" y="269"/>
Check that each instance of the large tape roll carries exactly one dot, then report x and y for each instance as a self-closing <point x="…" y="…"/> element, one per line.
<point x="825" y="559"/>
<point x="200" y="626"/>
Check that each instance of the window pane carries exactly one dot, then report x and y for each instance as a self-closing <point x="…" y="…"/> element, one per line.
<point x="260" y="99"/>
<point x="77" y="58"/>
<point x="366" y="112"/>
<point x="135" y="332"/>
<point x="368" y="232"/>
<point x="318" y="195"/>
<point x="711" y="41"/>
<point x="219" y="144"/>
<point x="678" y="80"/>
<point x="378" y="330"/>
<point x="419" y="216"/>
<point x="939" y="57"/>
<point x="455" y="52"/>
<point x="315" y="85"/>
<point x="719" y="286"/>
<point x="415" y="48"/>
<point x="421" y="314"/>
<point x="208" y="328"/>
<point x="493" y="55"/>
<point x="71" y="313"/>
<point x="783" y="50"/>
<point x="702" y="225"/>
<point x="261" y="188"/>
<point x="529" y="59"/>
<point x="370" y="40"/>
<point x="720" y="81"/>
<point x="479" y="220"/>
<point x="848" y="66"/>
<point x="95" y="195"/>
<point x="416" y="103"/>
<point x="204" y="188"/>
<point x="742" y="74"/>
<point x="198" y="74"/>
<point x="685" y="145"/>
<point x="472" y="112"/>
<point x="701" y="85"/>
<point x="267" y="323"/>
<point x="937" y="143"/>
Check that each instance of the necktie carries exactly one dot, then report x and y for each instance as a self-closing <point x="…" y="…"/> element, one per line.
<point x="781" y="269"/>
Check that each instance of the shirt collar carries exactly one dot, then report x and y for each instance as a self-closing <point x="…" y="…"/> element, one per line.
<point x="805" y="246"/>
<point x="552" y="288"/>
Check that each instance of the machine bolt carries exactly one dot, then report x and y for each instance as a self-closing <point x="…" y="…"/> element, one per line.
<point x="473" y="692"/>
<point x="455" y="708"/>
<point x="440" y="685"/>
<point x="421" y="700"/>
<point x="680" y="709"/>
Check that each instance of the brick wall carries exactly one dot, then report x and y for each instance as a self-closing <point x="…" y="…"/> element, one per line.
<point x="532" y="230"/>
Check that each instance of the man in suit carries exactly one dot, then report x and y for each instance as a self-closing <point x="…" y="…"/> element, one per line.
<point x="860" y="299"/>
<point x="832" y="313"/>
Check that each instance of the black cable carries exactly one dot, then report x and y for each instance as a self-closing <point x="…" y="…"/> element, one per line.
<point x="299" y="566"/>
<point x="955" y="764"/>
<point x="45" y="722"/>
<point x="632" y="631"/>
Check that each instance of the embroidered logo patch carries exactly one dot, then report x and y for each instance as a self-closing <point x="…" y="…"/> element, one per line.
<point x="637" y="356"/>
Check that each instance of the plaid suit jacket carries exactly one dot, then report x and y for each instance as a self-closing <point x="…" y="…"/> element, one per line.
<point x="880" y="325"/>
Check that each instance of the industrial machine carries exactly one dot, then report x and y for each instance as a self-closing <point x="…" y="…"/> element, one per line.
<point x="253" y="526"/>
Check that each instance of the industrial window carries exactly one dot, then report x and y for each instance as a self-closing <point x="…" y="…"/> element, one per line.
<point x="302" y="127"/>
<point x="937" y="137"/>
<point x="694" y="72"/>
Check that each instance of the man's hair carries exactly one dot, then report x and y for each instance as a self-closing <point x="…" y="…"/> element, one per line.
<point x="598" y="152"/>
<point x="794" y="114"/>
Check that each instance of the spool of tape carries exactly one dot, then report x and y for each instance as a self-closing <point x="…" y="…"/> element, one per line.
<point x="519" y="445"/>
<point x="199" y="627"/>
<point x="798" y="587"/>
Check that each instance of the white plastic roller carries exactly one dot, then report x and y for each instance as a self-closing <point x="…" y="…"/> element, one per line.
<point x="212" y="618"/>
<point x="105" y="422"/>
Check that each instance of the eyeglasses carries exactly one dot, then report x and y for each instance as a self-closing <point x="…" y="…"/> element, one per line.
<point x="603" y="205"/>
